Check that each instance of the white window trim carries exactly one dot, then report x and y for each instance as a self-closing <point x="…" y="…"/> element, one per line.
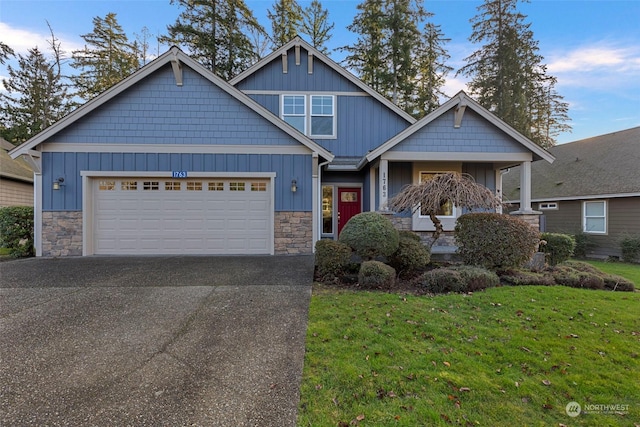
<point x="584" y="217"/>
<point x="548" y="206"/>
<point x="308" y="116"/>
<point x="424" y="223"/>
<point x="454" y="211"/>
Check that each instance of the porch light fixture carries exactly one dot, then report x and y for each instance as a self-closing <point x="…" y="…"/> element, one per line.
<point x="294" y="185"/>
<point x="58" y="183"/>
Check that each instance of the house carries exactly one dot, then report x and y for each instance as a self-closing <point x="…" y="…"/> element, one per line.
<point x="174" y="160"/>
<point x="16" y="179"/>
<point x="593" y="187"/>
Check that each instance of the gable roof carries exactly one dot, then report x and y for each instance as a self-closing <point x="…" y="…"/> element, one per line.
<point x="176" y="58"/>
<point x="461" y="101"/>
<point x="605" y="165"/>
<point x="297" y="41"/>
<point x="13" y="169"/>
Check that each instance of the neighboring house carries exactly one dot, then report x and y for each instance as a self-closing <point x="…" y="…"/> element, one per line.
<point x="16" y="179"/>
<point x="174" y="160"/>
<point x="593" y="187"/>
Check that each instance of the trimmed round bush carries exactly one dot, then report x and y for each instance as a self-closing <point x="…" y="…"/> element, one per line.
<point x="16" y="230"/>
<point x="411" y="255"/>
<point x="410" y="235"/>
<point x="442" y="280"/>
<point x="370" y="235"/>
<point x="477" y="278"/>
<point x="493" y="240"/>
<point x="332" y="258"/>
<point x="558" y="247"/>
<point x="376" y="275"/>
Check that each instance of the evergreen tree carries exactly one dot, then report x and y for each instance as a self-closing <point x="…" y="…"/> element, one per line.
<point x="215" y="33"/>
<point x="36" y="95"/>
<point x="286" y="19"/>
<point x="394" y="57"/>
<point x="315" y="24"/>
<point x="106" y="59"/>
<point x="5" y="52"/>
<point x="507" y="74"/>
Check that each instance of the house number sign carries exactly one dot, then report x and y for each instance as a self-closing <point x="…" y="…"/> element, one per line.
<point x="179" y="174"/>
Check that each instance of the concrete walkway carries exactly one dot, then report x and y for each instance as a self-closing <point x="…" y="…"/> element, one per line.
<point x="153" y="341"/>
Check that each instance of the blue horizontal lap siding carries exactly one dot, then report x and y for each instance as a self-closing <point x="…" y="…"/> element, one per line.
<point x="68" y="165"/>
<point x="476" y="135"/>
<point x="157" y="111"/>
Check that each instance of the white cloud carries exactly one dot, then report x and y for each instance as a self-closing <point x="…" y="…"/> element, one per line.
<point x="21" y="40"/>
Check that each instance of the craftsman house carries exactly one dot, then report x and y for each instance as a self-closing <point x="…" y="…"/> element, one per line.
<point x="16" y="179"/>
<point x="593" y="188"/>
<point x="174" y="160"/>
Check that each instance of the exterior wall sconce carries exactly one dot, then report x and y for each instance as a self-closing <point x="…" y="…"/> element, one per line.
<point x="294" y="185"/>
<point x="58" y="183"/>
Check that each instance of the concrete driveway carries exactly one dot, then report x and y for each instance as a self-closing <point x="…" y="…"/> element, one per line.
<point x="157" y="341"/>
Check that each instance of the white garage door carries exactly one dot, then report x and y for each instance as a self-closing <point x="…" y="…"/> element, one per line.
<point x="190" y="216"/>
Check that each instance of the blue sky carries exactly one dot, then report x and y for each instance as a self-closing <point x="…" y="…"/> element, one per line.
<point x="592" y="47"/>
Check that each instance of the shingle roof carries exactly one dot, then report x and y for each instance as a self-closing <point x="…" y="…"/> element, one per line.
<point x="602" y="165"/>
<point x="13" y="169"/>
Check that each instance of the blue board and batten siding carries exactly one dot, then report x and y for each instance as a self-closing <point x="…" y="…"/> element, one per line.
<point x="157" y="111"/>
<point x="69" y="165"/>
<point x="476" y="135"/>
<point x="363" y="123"/>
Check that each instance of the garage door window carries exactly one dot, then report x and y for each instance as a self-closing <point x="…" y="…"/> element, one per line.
<point x="236" y="186"/>
<point x="172" y="186"/>
<point x="216" y="186"/>
<point x="258" y="186"/>
<point x="194" y="185"/>
<point x="129" y="185"/>
<point x="151" y="185"/>
<point x="107" y="185"/>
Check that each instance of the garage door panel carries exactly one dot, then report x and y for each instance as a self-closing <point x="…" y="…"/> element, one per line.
<point x="176" y="219"/>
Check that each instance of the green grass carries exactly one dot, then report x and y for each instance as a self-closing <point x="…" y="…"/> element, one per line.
<point x="4" y="251"/>
<point x="626" y="270"/>
<point x="508" y="356"/>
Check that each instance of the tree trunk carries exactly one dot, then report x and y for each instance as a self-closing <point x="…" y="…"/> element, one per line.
<point x="438" y="228"/>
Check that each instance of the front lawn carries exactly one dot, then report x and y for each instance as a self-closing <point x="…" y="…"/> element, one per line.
<point x="505" y="356"/>
<point x="626" y="270"/>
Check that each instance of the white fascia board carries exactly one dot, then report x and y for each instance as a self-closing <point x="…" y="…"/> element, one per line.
<point x="331" y="64"/>
<point x="588" y="197"/>
<point x="61" y="147"/>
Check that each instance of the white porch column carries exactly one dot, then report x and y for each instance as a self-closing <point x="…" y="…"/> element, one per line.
<point x="316" y="210"/>
<point x="37" y="213"/>
<point x="383" y="180"/>
<point x="525" y="187"/>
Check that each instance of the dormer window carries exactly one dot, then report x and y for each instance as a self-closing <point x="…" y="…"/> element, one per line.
<point x="313" y="115"/>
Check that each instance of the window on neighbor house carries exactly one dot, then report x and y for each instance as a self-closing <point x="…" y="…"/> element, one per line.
<point x="447" y="209"/>
<point x="594" y="219"/>
<point x="548" y="206"/>
<point x="313" y="115"/>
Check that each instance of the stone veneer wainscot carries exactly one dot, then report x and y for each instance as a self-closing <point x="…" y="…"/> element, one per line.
<point x="293" y="233"/>
<point x="61" y="233"/>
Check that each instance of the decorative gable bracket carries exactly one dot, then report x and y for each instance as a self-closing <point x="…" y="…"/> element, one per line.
<point x="285" y="62"/>
<point x="33" y="159"/>
<point x="459" y="113"/>
<point x="177" y="69"/>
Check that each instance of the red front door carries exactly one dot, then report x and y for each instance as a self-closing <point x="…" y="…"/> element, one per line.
<point x="349" y="204"/>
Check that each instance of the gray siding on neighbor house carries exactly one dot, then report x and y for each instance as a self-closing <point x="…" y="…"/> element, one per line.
<point x="622" y="221"/>
<point x="476" y="135"/>
<point x="157" y="111"/>
<point x="69" y="165"/>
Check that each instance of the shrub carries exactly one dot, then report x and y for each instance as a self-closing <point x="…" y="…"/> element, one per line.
<point x="519" y="277"/>
<point x="442" y="280"/>
<point x="584" y="245"/>
<point x="495" y="240"/>
<point x="572" y="277"/>
<point x="477" y="278"/>
<point x="376" y="275"/>
<point x="630" y="249"/>
<point x="370" y="235"/>
<point x="332" y="258"/>
<point x="16" y="230"/>
<point x="411" y="255"/>
<point x="406" y="234"/>
<point x="558" y="247"/>
<point x="613" y="282"/>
